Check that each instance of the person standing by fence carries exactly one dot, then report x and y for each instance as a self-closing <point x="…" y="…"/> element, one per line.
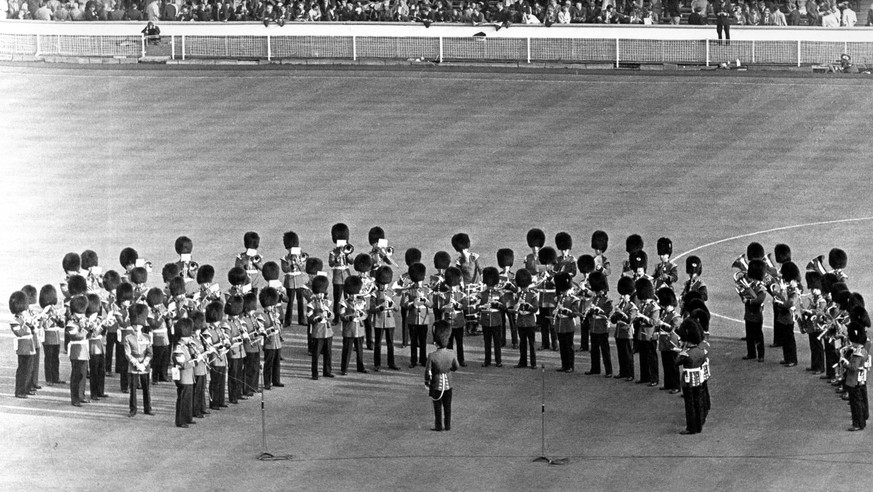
<point x="723" y="12"/>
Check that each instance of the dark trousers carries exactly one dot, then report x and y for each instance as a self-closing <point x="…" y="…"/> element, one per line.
<point x="832" y="356"/>
<point x="389" y="343"/>
<point x="322" y="347"/>
<point x="217" y="376"/>
<point x="491" y="334"/>
<point x="124" y="378"/>
<point x="648" y="361"/>
<point x="417" y="344"/>
<point x="723" y="24"/>
<point x="404" y="332"/>
<point x="121" y="365"/>
<point x="778" y="331"/>
<point x="693" y="408"/>
<point x="111" y="341"/>
<point x="788" y="342"/>
<point x="816" y="353"/>
<point x="97" y="364"/>
<point x="160" y="358"/>
<point x="587" y="337"/>
<point x="856" y="404"/>
<point x="253" y="372"/>
<point x="671" y="370"/>
<point x="337" y="297"/>
<point x="78" y="374"/>
<point x="234" y="379"/>
<point x="349" y="344"/>
<point x="547" y="332"/>
<point x="33" y="380"/>
<point x="624" y="348"/>
<point x="140" y="381"/>
<point x="457" y="335"/>
<point x="368" y="333"/>
<point x="568" y="353"/>
<point x="600" y="348"/>
<point x="508" y="319"/>
<point x="272" y="367"/>
<point x="199" y="395"/>
<point x="184" y="404"/>
<point x="527" y="343"/>
<point x="22" y="375"/>
<point x="754" y="339"/>
<point x="295" y="294"/>
<point x="706" y="401"/>
<point x="442" y="407"/>
<point x="52" y="363"/>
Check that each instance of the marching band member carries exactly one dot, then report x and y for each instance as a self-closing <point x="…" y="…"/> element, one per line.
<point x="471" y="277"/>
<point x="96" y="348"/>
<point x="694" y="269"/>
<point x="536" y="239"/>
<point x="72" y="264"/>
<point x="668" y="340"/>
<point x="639" y="263"/>
<point x="24" y="328"/>
<point x="837" y="259"/>
<point x="111" y="281"/>
<point x="565" y="317"/>
<point x="233" y="329"/>
<point x="76" y="286"/>
<point x="217" y="336"/>
<point x="755" y="251"/>
<point x="294" y="267"/>
<point x="184" y="362"/>
<point x="239" y="282"/>
<point x="782" y="253"/>
<point x="129" y="259"/>
<point x="785" y="302"/>
<point x="453" y="302"/>
<point x="77" y="334"/>
<point x="545" y="284"/>
<point x="599" y="243"/>
<point x="753" y="298"/>
<point x="856" y="362"/>
<point x="565" y="263"/>
<point x="253" y="329"/>
<point x="53" y="325"/>
<point x="525" y="307"/>
<point x="490" y="314"/>
<point x="188" y="269"/>
<point x="380" y="253"/>
<point x="139" y="277"/>
<point x="810" y="322"/>
<point x="179" y="305"/>
<point x="692" y="359"/>
<point x="382" y="310"/>
<point x="138" y="352"/>
<point x="417" y="302"/>
<point x="271" y="272"/>
<point x="666" y="272"/>
<point x="91" y="271"/>
<point x="339" y="260"/>
<point x="168" y="273"/>
<point x="505" y="260"/>
<point x="411" y="257"/>
<point x="621" y="317"/>
<point x="586" y="268"/>
<point x="269" y="298"/>
<point x="33" y="312"/>
<point x="159" y="326"/>
<point x="121" y="311"/>
<point x="207" y="290"/>
<point x="199" y="352"/>
<point x="645" y="322"/>
<point x="439" y="364"/>
<point x="633" y="244"/>
<point x="441" y="261"/>
<point x="595" y="321"/>
<point x="836" y="334"/>
<point x="249" y="260"/>
<point x="363" y="266"/>
<point x="320" y="319"/>
<point x="353" y="312"/>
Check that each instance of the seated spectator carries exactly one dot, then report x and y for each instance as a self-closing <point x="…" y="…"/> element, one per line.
<point x="647" y="16"/>
<point x="24" y="12"/>
<point x="753" y="16"/>
<point x="133" y="13"/>
<point x="204" y="12"/>
<point x="696" y="18"/>
<point x="767" y="18"/>
<point x="579" y="13"/>
<point x="91" y="12"/>
<point x="43" y="13"/>
<point x="314" y="13"/>
<point x="227" y="12"/>
<point x="793" y="18"/>
<point x="829" y="17"/>
<point x="477" y="17"/>
<point x="673" y="13"/>
<point x="76" y="13"/>
<point x="848" y="18"/>
<point x="62" y="13"/>
<point x="271" y="16"/>
<point x="152" y="33"/>
<point x="550" y="16"/>
<point x="657" y="11"/>
<point x="527" y="17"/>
<point x="704" y="7"/>
<point x="102" y="13"/>
<point x="240" y="14"/>
<point x="813" y="17"/>
<point x="779" y="17"/>
<point x="170" y="11"/>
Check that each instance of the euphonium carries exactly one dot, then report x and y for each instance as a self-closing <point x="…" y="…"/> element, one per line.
<point x="741" y="263"/>
<point x="817" y="265"/>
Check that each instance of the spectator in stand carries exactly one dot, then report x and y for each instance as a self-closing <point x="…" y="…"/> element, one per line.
<point x="829" y="17"/>
<point x="91" y="12"/>
<point x="76" y="13"/>
<point x="185" y="14"/>
<point x="24" y="12"/>
<point x="696" y="19"/>
<point x="528" y="17"/>
<point x="118" y="13"/>
<point x="153" y="11"/>
<point x="767" y="18"/>
<point x="314" y="14"/>
<point x="813" y="18"/>
<point x="133" y="13"/>
<point x="723" y="11"/>
<point x="564" y="16"/>
<point x="62" y="14"/>
<point x="170" y="12"/>
<point x="704" y="6"/>
<point x="848" y="17"/>
<point x="753" y="15"/>
<point x="579" y="14"/>
<point x="779" y="17"/>
<point x="870" y="16"/>
<point x="476" y="17"/>
<point x="4" y="9"/>
<point x="657" y="10"/>
<point x="43" y="13"/>
<point x="673" y="13"/>
<point x="793" y="18"/>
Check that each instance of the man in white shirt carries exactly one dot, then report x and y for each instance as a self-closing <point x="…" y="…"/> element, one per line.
<point x="848" y="18"/>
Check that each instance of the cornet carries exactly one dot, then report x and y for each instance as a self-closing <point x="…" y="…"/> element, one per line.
<point x="347" y="249"/>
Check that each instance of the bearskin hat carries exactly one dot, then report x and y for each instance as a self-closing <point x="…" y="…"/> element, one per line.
<point x="319" y="284"/>
<point x="71" y="262"/>
<point x="251" y="240"/>
<point x="205" y="274"/>
<point x="128" y="257"/>
<point x="625" y="286"/>
<point x="234" y="306"/>
<point x="841" y="294"/>
<point x="782" y="253"/>
<point x="505" y="257"/>
<point x="754" y="251"/>
<point x="597" y="282"/>
<point x="563" y="282"/>
<point x="155" y="297"/>
<point x="441" y="260"/>
<point x="111" y="280"/>
<point x="339" y="231"/>
<point x="789" y="272"/>
<point x="363" y="263"/>
<point x="523" y="278"/>
<point x="417" y="272"/>
<point x="693" y="265"/>
<point x="490" y="276"/>
<point x="184" y="245"/>
<point x="633" y="243"/>
<point x="315" y="265"/>
<point x="702" y="316"/>
<point x="690" y="296"/>
<point x="665" y="246"/>
<point x="536" y="238"/>
<point x="77" y="285"/>
<point x="48" y="296"/>
<point x="177" y="286"/>
<point x="639" y="259"/>
<point x="384" y="275"/>
<point x="198" y="319"/>
<point x="375" y="234"/>
<point x="30" y="293"/>
<point x="857" y="299"/>
<point x="460" y="241"/>
<point x="214" y="311"/>
<point x="94" y="304"/>
<point x="169" y="271"/>
<point x="690" y="331"/>
<point x="237" y="276"/>
<point x="79" y="304"/>
<point x="757" y="268"/>
<point x="857" y="333"/>
<point x="586" y="264"/>
<point x="352" y="285"/>
<point x="250" y="302"/>
<point x="139" y="314"/>
<point x="270" y="296"/>
<point x="813" y="280"/>
<point x="453" y="276"/>
<point x="827" y="282"/>
<point x="290" y="240"/>
<point x="184" y="328"/>
<point x="563" y="241"/>
<point x="123" y="293"/>
<point x="17" y="302"/>
<point x="139" y="275"/>
<point x="644" y="288"/>
<point x="859" y="316"/>
<point x="89" y="259"/>
<point x="412" y="255"/>
<point x="837" y="259"/>
<point x="666" y="297"/>
<point x="270" y="271"/>
<point x="599" y="240"/>
<point x="547" y="256"/>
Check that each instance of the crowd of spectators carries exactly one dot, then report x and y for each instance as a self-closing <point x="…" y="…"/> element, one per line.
<point x="826" y="13"/>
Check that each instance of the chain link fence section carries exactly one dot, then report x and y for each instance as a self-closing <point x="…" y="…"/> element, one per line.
<point x="397" y="48"/>
<point x="480" y="48"/>
<point x="311" y="47"/>
<point x="572" y="50"/>
<point x="18" y="44"/>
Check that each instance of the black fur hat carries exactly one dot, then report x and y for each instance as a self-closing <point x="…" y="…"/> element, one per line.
<point x="563" y="241"/>
<point x="625" y="286"/>
<point x="702" y="316"/>
<point x="339" y="231"/>
<point x="237" y="276"/>
<point x="198" y="319"/>
<point x="666" y="297"/>
<point x="155" y="297"/>
<point x="89" y="259"/>
<point x="111" y="280"/>
<point x="128" y="257"/>
<point x="639" y="259"/>
<point x="77" y="285"/>
<point x="251" y="240"/>
<point x="384" y="275"/>
<point x="691" y="295"/>
<point x="453" y="276"/>
<point x="352" y="285"/>
<point x="417" y="272"/>
<point x="234" y="306"/>
<point x="690" y="330"/>
<point x="205" y="274"/>
<point x="827" y="282"/>
<point x="169" y="271"/>
<point x="290" y="240"/>
<point x="177" y="286"/>
<point x="315" y="265"/>
<point x="523" y="278"/>
<point x="412" y="255"/>
<point x="375" y="234"/>
<point x="48" y="296"/>
<point x="490" y="276"/>
<point x="139" y="314"/>
<point x="139" y="275"/>
<point x="857" y="333"/>
<point x="184" y="328"/>
<point x="123" y="293"/>
<point x="269" y="296"/>
<point x="841" y="294"/>
<point x="782" y="253"/>
<point x="644" y="288"/>
<point x="599" y="240"/>
<point x="184" y="245"/>
<point x="71" y="262"/>
<point x="214" y="311"/>
<point x="94" y="304"/>
<point x="756" y="269"/>
<point x="859" y="316"/>
<point x="319" y="284"/>
<point x="30" y="292"/>
<point x="633" y="243"/>
<point x="563" y="282"/>
<point x="250" y="301"/>
<point x="754" y="251"/>
<point x="693" y="265"/>
<point x="79" y="304"/>
<point x="857" y="299"/>
<point x="536" y="238"/>
<point x="460" y="241"/>
<point x="441" y="260"/>
<point x="597" y="282"/>
<point x="363" y="263"/>
<point x="547" y="256"/>
<point x="17" y="302"/>
<point x="837" y="259"/>
<point x="505" y="257"/>
<point x="813" y="280"/>
<point x="586" y="264"/>
<point x="789" y="272"/>
<point x="270" y="271"/>
<point x="665" y="246"/>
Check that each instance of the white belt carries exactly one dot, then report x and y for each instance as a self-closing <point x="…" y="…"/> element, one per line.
<point x="252" y="272"/>
<point x="77" y="342"/>
<point x="54" y="329"/>
<point x="160" y="331"/>
<point x="17" y="338"/>
<point x="344" y="267"/>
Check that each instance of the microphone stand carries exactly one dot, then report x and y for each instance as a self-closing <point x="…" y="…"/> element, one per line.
<point x="543" y="458"/>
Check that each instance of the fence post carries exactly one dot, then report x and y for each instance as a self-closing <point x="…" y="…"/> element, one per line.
<point x="142" y="44"/>
<point x="798" y="52"/>
<point x="617" y="57"/>
<point x="183" y="47"/>
<point x="528" y="50"/>
<point x="441" y="49"/>
<point x="753" y="51"/>
<point x="269" y="49"/>
<point x="354" y="48"/>
<point x="707" y="51"/>
<point x="226" y="48"/>
<point x="173" y="47"/>
<point x="37" y="46"/>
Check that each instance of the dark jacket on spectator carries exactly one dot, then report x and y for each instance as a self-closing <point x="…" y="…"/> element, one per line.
<point x="695" y="19"/>
<point x="170" y="12"/>
<point x="134" y="14"/>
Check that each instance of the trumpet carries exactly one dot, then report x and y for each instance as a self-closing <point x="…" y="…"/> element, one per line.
<point x="347" y="249"/>
<point x="389" y="250"/>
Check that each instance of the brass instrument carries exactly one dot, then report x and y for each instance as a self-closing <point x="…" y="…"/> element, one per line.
<point x="744" y="286"/>
<point x="741" y="263"/>
<point x="817" y="264"/>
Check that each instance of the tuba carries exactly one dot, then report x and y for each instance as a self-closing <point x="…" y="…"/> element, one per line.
<point x="741" y="263"/>
<point x="817" y="265"/>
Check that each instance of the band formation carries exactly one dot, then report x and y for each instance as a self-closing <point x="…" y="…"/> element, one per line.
<point x="219" y="346"/>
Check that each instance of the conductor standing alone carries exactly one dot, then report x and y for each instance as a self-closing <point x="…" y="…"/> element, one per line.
<point x="436" y="376"/>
